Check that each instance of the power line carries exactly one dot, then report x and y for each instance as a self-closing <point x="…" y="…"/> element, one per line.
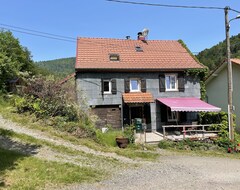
<point x="39" y="35"/>
<point x="169" y="6"/>
<point x="35" y="31"/>
<point x="73" y="41"/>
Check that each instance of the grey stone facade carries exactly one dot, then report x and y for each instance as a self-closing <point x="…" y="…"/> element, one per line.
<point x="89" y="85"/>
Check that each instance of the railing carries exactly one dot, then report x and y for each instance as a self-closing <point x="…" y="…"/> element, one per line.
<point x="191" y="128"/>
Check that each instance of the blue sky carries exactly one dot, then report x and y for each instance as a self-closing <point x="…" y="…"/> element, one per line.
<point x="199" y="29"/>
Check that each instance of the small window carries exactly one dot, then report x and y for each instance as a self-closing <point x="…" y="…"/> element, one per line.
<point x="172" y="116"/>
<point x="107" y="87"/>
<point x="135" y="85"/>
<point x="138" y="49"/>
<point x="114" y="57"/>
<point x="171" y="82"/>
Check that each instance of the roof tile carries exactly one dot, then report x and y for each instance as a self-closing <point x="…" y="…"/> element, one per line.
<point x="93" y="53"/>
<point x="138" y="97"/>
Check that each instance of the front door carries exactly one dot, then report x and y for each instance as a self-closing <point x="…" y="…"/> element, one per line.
<point x="136" y="112"/>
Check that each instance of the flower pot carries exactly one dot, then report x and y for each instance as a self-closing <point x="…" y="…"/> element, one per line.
<point x="229" y="150"/>
<point x="122" y="142"/>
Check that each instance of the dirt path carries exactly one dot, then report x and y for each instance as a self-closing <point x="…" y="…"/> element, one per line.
<point x="175" y="172"/>
<point x="9" y="125"/>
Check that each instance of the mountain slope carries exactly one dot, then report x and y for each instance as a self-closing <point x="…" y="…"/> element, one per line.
<point x="60" y="67"/>
<point x="217" y="54"/>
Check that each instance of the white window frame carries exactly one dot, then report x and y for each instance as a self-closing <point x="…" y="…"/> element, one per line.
<point x="174" y="115"/>
<point x="110" y="86"/>
<point x="139" y="85"/>
<point x="176" y="82"/>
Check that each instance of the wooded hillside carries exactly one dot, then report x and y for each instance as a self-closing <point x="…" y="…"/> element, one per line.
<point x="60" y="67"/>
<point x="217" y="54"/>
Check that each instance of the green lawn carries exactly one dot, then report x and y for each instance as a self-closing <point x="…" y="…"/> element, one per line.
<point x="23" y="172"/>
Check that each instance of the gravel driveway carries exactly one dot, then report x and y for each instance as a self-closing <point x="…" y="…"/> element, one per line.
<point x="171" y="171"/>
<point x="176" y="172"/>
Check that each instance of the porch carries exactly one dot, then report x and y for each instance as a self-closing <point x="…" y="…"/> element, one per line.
<point x="177" y="133"/>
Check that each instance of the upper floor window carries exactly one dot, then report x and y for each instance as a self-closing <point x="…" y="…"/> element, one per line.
<point x="171" y="82"/>
<point x="135" y="85"/>
<point x="107" y="89"/>
<point x="109" y="86"/>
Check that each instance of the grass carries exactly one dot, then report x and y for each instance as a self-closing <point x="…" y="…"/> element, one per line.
<point x="22" y="172"/>
<point x="106" y="142"/>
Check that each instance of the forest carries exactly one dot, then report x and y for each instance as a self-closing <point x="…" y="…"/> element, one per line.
<point x="59" y="67"/>
<point x="216" y="55"/>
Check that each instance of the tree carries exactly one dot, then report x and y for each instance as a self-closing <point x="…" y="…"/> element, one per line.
<point x="14" y="59"/>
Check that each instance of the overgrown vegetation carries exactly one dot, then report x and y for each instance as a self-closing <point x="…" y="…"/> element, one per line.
<point x="199" y="74"/>
<point x="48" y="100"/>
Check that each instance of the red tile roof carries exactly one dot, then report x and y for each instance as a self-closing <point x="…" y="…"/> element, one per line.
<point x="138" y="97"/>
<point x="93" y="53"/>
<point x="236" y="61"/>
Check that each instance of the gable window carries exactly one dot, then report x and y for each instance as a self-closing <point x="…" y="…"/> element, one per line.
<point x="171" y="82"/>
<point x="114" y="57"/>
<point x="172" y="115"/>
<point x="135" y="85"/>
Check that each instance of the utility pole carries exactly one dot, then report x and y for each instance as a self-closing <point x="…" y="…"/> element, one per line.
<point x="229" y="77"/>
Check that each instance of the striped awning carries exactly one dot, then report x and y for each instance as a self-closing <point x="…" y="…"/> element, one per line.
<point x="188" y="104"/>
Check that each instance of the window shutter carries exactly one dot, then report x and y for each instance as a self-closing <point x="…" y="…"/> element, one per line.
<point x="114" y="86"/>
<point x="127" y="85"/>
<point x="181" y="82"/>
<point x="143" y="85"/>
<point x="162" y="82"/>
<point x="102" y="86"/>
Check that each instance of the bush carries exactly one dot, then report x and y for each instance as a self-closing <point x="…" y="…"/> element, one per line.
<point x="129" y="132"/>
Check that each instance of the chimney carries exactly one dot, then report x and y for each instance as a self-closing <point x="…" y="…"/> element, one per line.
<point x="140" y="36"/>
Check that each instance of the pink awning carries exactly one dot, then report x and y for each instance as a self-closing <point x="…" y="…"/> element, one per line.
<point x="188" y="104"/>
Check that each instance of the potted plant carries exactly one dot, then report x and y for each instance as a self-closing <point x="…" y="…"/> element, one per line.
<point x="122" y="141"/>
<point x="127" y="136"/>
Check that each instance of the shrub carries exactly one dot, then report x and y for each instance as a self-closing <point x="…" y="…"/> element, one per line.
<point x="129" y="132"/>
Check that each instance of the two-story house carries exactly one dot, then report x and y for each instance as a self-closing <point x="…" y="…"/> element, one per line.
<point x="124" y="79"/>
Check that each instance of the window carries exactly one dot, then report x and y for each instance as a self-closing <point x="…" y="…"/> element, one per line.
<point x="135" y="85"/>
<point x="107" y="87"/>
<point x="114" y="57"/>
<point x="172" y="116"/>
<point x="138" y="49"/>
<point x="171" y="82"/>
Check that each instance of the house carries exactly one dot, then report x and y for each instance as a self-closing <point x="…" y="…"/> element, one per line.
<point x="217" y="88"/>
<point x="124" y="80"/>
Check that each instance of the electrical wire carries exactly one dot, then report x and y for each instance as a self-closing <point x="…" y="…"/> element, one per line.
<point x="86" y="41"/>
<point x="165" y="5"/>
<point x="39" y="35"/>
<point x="35" y="31"/>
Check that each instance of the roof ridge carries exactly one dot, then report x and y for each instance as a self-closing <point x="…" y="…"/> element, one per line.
<point x="103" y="38"/>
